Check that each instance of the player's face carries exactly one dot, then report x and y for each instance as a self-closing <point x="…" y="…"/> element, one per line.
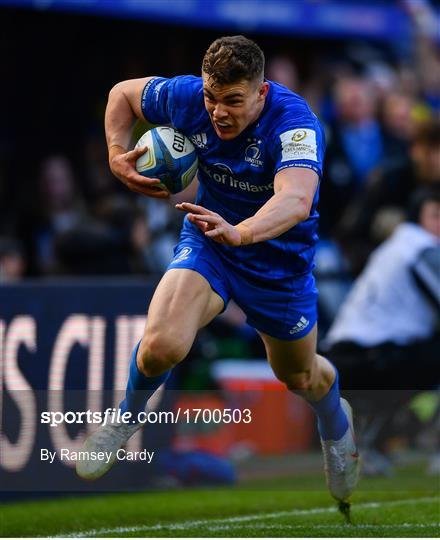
<point x="232" y="107"/>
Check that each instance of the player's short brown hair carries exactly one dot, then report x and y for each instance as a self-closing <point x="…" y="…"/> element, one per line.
<point x="233" y="58"/>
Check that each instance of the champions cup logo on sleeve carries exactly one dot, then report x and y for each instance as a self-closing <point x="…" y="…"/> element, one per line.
<point x="298" y="144"/>
<point x="299" y="135"/>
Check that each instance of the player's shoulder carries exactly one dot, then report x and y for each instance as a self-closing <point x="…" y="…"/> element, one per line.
<point x="187" y="97"/>
<point x="187" y="85"/>
<point x="180" y="89"/>
<point x="188" y="81"/>
<point x="185" y="100"/>
<point x="285" y="96"/>
<point x="287" y="106"/>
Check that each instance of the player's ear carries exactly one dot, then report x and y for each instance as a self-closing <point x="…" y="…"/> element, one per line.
<point x="263" y="90"/>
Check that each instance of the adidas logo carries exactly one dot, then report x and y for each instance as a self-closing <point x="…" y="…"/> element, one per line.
<point x="200" y="140"/>
<point x="300" y="325"/>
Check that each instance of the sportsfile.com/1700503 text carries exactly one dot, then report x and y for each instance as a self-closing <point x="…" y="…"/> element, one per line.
<point x="184" y="415"/>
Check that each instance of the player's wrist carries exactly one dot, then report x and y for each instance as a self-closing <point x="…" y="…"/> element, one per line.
<point x="247" y="236"/>
<point x="115" y="150"/>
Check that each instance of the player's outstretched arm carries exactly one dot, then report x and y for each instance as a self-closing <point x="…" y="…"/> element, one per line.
<point x="294" y="192"/>
<point x="123" y="109"/>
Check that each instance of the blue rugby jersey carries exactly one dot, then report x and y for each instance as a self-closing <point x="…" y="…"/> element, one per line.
<point x="237" y="176"/>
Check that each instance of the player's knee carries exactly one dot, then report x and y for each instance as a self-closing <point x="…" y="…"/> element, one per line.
<point x="159" y="353"/>
<point x="299" y="383"/>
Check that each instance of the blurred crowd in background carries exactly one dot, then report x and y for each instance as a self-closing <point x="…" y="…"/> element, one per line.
<point x="71" y="217"/>
<point x="62" y="213"/>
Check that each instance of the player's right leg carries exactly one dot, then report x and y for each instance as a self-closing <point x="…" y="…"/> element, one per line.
<point x="182" y="303"/>
<point x="310" y="375"/>
<point x="285" y="317"/>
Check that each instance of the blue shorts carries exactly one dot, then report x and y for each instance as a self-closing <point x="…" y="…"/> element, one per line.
<point x="282" y="308"/>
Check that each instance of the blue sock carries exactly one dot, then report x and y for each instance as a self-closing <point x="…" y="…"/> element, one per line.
<point x="139" y="387"/>
<point x="332" y="420"/>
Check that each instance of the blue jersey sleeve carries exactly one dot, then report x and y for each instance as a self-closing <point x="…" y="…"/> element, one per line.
<point x="170" y="101"/>
<point x="298" y="141"/>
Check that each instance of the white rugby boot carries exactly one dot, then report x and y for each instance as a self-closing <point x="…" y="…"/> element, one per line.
<point x="107" y="439"/>
<point x="341" y="462"/>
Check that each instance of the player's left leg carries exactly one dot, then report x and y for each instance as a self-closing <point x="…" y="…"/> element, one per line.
<point x="310" y="375"/>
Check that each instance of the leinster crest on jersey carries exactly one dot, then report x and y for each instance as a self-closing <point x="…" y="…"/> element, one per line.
<point x="252" y="153"/>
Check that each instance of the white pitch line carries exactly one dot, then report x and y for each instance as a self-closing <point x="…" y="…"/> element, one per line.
<point x="333" y="526"/>
<point x="238" y="519"/>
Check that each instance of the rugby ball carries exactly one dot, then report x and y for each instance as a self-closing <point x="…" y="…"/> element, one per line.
<point x="171" y="157"/>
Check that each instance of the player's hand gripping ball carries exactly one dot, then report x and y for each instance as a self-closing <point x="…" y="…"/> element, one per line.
<point x="171" y="157"/>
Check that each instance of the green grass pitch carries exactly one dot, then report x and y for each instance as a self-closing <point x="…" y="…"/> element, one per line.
<point x="406" y="505"/>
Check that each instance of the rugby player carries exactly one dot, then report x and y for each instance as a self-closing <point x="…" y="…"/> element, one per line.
<point x="250" y="237"/>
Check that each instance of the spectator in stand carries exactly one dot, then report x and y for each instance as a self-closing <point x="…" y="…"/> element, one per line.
<point x="65" y="237"/>
<point x="390" y="320"/>
<point x="387" y="194"/>
<point x="398" y="116"/>
<point x="356" y="146"/>
<point x="282" y="70"/>
<point x="382" y="77"/>
<point x="110" y="242"/>
<point x="56" y="208"/>
<point x="426" y="61"/>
